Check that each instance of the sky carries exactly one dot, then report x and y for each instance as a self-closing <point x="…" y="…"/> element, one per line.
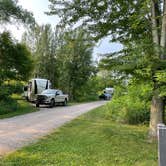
<point x="38" y="7"/>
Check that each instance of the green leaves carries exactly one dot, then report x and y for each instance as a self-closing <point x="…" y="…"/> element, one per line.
<point x="43" y="44"/>
<point x="75" y="61"/>
<point x="121" y="19"/>
<point x="10" y="11"/>
<point x="15" y="60"/>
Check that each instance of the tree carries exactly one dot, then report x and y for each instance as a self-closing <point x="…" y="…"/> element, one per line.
<point x="15" y="59"/>
<point x="137" y="25"/>
<point x="75" y="61"/>
<point x="43" y="44"/>
<point x="158" y="20"/>
<point x="63" y="56"/>
<point x="10" y="11"/>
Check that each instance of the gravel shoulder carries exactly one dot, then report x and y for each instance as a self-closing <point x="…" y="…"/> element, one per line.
<point x="22" y="130"/>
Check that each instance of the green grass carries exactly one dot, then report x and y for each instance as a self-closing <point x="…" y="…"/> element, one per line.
<point x="23" y="108"/>
<point x="90" y="140"/>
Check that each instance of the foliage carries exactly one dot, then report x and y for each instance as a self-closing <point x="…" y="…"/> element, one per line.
<point x="8" y="105"/>
<point x="17" y="87"/>
<point x="161" y="78"/>
<point x="140" y="26"/>
<point x="15" y="59"/>
<point x="89" y="91"/>
<point x="43" y="44"/>
<point x="128" y="22"/>
<point x="120" y="19"/>
<point x="16" y="64"/>
<point x="14" y="107"/>
<point x="5" y="92"/>
<point x="75" y="62"/>
<point x="89" y="140"/>
<point x="131" y="104"/>
<point x="10" y="11"/>
<point x="95" y="86"/>
<point x="64" y="57"/>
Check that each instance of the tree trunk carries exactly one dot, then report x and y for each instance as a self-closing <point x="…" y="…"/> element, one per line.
<point x="155" y="32"/>
<point x="163" y="31"/>
<point x="156" y="115"/>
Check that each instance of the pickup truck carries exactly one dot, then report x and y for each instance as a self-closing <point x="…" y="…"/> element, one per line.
<point x="51" y="97"/>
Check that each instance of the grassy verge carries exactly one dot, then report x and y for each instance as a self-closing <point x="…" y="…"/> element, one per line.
<point x="23" y="108"/>
<point x="90" y="140"/>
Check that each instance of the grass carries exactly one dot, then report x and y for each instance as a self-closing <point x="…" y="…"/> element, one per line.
<point x="23" y="107"/>
<point x="90" y="140"/>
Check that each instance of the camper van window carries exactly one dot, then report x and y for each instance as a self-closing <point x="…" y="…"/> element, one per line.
<point x="25" y="88"/>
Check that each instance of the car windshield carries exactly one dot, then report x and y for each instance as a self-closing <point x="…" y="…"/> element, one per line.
<point x="49" y="91"/>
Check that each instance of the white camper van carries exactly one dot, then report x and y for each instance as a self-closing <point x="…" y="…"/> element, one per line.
<point x="109" y="90"/>
<point x="35" y="86"/>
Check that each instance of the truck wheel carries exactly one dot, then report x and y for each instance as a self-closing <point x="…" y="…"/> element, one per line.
<point x="37" y="104"/>
<point x="65" y="102"/>
<point x="52" y="104"/>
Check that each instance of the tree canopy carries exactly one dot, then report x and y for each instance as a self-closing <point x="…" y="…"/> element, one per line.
<point x="63" y="56"/>
<point x="120" y="19"/>
<point x="10" y="11"/>
<point x="15" y="59"/>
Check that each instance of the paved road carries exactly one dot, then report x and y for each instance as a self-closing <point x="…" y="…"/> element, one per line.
<point x="21" y="130"/>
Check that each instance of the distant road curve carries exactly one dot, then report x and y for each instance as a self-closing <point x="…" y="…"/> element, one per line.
<point x="21" y="130"/>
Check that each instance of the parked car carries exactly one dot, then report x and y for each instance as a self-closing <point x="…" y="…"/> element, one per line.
<point x="51" y="97"/>
<point x="105" y="96"/>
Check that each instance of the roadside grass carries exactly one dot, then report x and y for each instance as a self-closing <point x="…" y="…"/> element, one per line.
<point x="90" y="140"/>
<point x="23" y="107"/>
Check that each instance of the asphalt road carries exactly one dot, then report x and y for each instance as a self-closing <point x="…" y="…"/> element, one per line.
<point x="21" y="130"/>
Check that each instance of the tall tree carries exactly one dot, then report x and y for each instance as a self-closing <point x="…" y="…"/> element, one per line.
<point x="158" y="19"/>
<point x="15" y="59"/>
<point x="43" y="44"/>
<point x="75" y="61"/>
<point x="137" y="25"/>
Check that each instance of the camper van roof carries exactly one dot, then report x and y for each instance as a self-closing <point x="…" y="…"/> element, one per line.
<point x="109" y="88"/>
<point x="39" y="79"/>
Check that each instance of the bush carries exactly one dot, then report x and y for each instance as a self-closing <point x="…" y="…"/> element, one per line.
<point x="5" y="92"/>
<point x="88" y="92"/>
<point x="14" y="86"/>
<point x="17" y="88"/>
<point x="8" y="105"/>
<point x="131" y="106"/>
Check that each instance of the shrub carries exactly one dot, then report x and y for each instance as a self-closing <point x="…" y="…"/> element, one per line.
<point x="5" y="92"/>
<point x="8" y="105"/>
<point x="131" y="106"/>
<point x="17" y="88"/>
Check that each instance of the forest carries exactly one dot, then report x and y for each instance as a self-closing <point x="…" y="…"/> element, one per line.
<point x="64" y="55"/>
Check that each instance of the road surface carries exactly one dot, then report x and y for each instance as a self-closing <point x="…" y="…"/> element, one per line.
<point x="21" y="130"/>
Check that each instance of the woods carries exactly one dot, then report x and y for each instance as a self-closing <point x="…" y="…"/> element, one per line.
<point x="64" y="54"/>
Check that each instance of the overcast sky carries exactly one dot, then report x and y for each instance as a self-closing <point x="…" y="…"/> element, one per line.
<point x="38" y="7"/>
